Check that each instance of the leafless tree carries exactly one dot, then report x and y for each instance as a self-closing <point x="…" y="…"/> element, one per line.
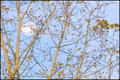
<point x="73" y="40"/>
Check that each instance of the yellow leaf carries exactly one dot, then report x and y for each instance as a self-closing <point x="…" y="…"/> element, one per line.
<point x="78" y="49"/>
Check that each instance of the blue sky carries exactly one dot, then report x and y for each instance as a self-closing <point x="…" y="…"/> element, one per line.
<point x="46" y="42"/>
<point x="113" y="13"/>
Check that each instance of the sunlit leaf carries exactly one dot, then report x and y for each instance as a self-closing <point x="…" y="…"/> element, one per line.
<point x="95" y="28"/>
<point x="78" y="49"/>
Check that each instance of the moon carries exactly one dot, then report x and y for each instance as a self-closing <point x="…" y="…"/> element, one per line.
<point x="28" y="28"/>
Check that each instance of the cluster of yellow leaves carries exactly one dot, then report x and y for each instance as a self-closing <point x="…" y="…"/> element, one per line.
<point x="105" y="25"/>
<point x="114" y="51"/>
<point x="4" y="8"/>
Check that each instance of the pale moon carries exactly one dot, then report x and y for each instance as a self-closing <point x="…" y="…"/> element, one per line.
<point x="28" y="28"/>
